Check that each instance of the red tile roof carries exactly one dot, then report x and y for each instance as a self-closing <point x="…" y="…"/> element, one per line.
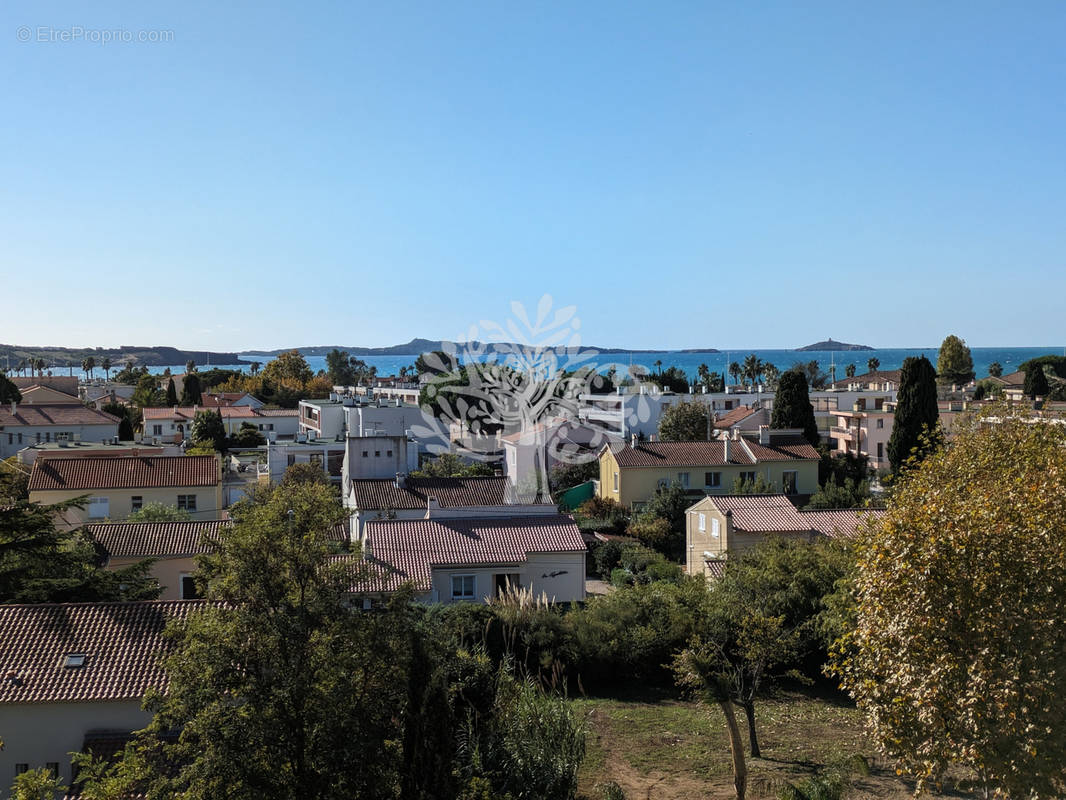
<point x="131" y="472"/>
<point x="774" y="513"/>
<point x="731" y="418"/>
<point x="155" y="539"/>
<point x="120" y="642"/>
<point x="375" y="493"/>
<point x="68" y="384"/>
<point x="710" y="454"/>
<point x="170" y="539"/>
<point x="408" y="550"/>
<point x="54" y="414"/>
<point x="876" y="376"/>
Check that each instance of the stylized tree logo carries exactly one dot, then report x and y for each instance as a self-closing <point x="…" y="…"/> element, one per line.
<point x="526" y="387"/>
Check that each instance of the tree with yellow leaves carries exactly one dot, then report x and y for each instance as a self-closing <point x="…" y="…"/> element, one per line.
<point x="957" y="653"/>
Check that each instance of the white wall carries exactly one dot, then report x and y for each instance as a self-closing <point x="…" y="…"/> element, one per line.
<point x="10" y="443"/>
<point x="37" y="733"/>
<point x="536" y="574"/>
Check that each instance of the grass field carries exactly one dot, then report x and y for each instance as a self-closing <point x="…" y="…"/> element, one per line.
<point x="656" y="746"/>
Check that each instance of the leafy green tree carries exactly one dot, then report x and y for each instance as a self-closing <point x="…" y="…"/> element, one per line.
<point x="41" y="564"/>
<point x="771" y="375"/>
<point x="190" y="366"/>
<point x="760" y="485"/>
<point x="37" y="784"/>
<point x="711" y="381"/>
<point x="290" y="369"/>
<point x="873" y="364"/>
<point x="14" y="481"/>
<point x="849" y="494"/>
<point x="954" y="363"/>
<point x="147" y="393"/>
<point x="208" y="428"/>
<point x="346" y="370"/>
<point x="792" y="406"/>
<point x="914" y="426"/>
<point x="673" y="379"/>
<point x="957" y="652"/>
<point x="159" y="512"/>
<point x="248" y="436"/>
<point x="9" y="392"/>
<point x="567" y="476"/>
<point x="191" y="390"/>
<point x="686" y="422"/>
<point x="1036" y="384"/>
<point x="995" y="369"/>
<point x="449" y="465"/>
<point x="172" y="393"/>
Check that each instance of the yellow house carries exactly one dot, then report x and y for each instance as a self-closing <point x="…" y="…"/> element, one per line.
<point x="630" y="473"/>
<point x="718" y="526"/>
<point x="118" y="486"/>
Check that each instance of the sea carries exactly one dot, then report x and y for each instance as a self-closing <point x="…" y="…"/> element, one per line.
<point x="891" y="358"/>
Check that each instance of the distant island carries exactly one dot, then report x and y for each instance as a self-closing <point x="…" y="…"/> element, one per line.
<point x="417" y="347"/>
<point x="12" y="354"/>
<point x="830" y="345"/>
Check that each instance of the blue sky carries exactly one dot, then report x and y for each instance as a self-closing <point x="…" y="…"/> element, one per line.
<point x="687" y="174"/>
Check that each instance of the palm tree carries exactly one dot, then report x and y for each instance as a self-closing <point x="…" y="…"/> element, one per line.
<point x="995" y="369"/>
<point x="21" y="368"/>
<point x="38" y="364"/>
<point x="255" y="367"/>
<point x="87" y="366"/>
<point x="659" y="365"/>
<point x="734" y="372"/>
<point x="105" y="365"/>
<point x="704" y="374"/>
<point x="770" y="374"/>
<point x="873" y="364"/>
<point x="849" y="370"/>
<point x="190" y="365"/>
<point x="752" y="368"/>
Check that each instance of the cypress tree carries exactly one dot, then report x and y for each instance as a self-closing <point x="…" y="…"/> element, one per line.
<point x="172" y="393"/>
<point x="190" y="391"/>
<point x="916" y="412"/>
<point x="792" y="405"/>
<point x="125" y="429"/>
<point x="1036" y="384"/>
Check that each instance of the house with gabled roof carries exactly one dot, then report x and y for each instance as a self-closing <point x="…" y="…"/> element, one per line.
<point x="409" y="498"/>
<point x="720" y="525"/>
<point x="118" y="486"/>
<point x="631" y="472"/>
<point x="23" y="424"/>
<point x="469" y="559"/>
<point x="74" y="673"/>
<point x="174" y="423"/>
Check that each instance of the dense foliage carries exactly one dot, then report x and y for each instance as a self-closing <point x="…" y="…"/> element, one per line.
<point x="954" y="363"/>
<point x="686" y="422"/>
<point x="792" y="405"/>
<point x="958" y="651"/>
<point x="914" y="426"/>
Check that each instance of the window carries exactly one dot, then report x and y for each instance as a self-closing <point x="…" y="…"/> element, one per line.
<point x="616" y="481"/>
<point x="270" y="426"/>
<point x="712" y="479"/>
<point x="290" y="459"/>
<point x="74" y="661"/>
<point x="462" y="587"/>
<point x="507" y="582"/>
<point x="663" y="483"/>
<point x="53" y="768"/>
<point x="789" y="480"/>
<point x="187" y="502"/>
<point x="316" y="459"/>
<point x="377" y="454"/>
<point x="682" y="478"/>
<point x="157" y="430"/>
<point x="388" y="453"/>
<point x="365" y="453"/>
<point x="136" y="502"/>
<point x="20" y="768"/>
<point x="880" y="423"/>
<point x="747" y="476"/>
<point x="99" y="507"/>
<point x="703" y="521"/>
<point x="714" y="528"/>
<point x="188" y="587"/>
<point x="880" y="449"/>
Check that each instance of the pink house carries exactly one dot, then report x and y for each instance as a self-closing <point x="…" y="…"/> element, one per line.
<point x="865" y="431"/>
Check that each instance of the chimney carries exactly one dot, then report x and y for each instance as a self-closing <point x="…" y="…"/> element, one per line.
<point x="726" y="445"/>
<point x="736" y="434"/>
<point x="14" y="406"/>
<point x="632" y="436"/>
<point x="764" y="434"/>
<point x="401" y="480"/>
<point x="431" y="506"/>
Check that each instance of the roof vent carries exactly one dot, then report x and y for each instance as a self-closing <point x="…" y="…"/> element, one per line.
<point x="74" y="661"/>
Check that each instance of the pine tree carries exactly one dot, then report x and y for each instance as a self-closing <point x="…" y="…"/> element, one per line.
<point x="916" y="413"/>
<point x="190" y="390"/>
<point x="1036" y="384"/>
<point x="954" y="363"/>
<point x="172" y="394"/>
<point x="792" y="405"/>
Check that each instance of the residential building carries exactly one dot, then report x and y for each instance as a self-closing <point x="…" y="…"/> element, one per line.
<point x="46" y="396"/>
<point x="74" y="674"/>
<point x="631" y="472"/>
<point x="742" y="418"/>
<point x="100" y="393"/>
<point x="66" y="384"/>
<point x="24" y="425"/>
<point x="547" y="445"/>
<point x="863" y="432"/>
<point x="174" y="423"/>
<point x="323" y="419"/>
<point x="173" y="546"/>
<point x="327" y="454"/>
<point x="79" y="449"/>
<point x="117" y="487"/>
<point x="378" y="457"/>
<point x="227" y="399"/>
<point x="473" y="559"/>
<point x="718" y="526"/>
<point x="406" y="497"/>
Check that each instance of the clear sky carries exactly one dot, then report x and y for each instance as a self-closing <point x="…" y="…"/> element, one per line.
<point x="687" y="174"/>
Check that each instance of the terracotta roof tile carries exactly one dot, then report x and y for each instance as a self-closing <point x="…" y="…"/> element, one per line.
<point x="774" y="513"/>
<point x="121" y="643"/>
<point x="375" y="493"/>
<point x="131" y="472"/>
<point x="408" y="550"/>
<point x="188" y="413"/>
<point x="710" y="454"/>
<point x="731" y="418"/>
<point x="54" y="414"/>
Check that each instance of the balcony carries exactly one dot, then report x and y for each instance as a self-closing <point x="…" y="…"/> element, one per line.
<point x="844" y="434"/>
